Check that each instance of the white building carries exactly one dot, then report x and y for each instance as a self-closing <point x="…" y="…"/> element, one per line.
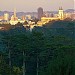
<point x="6" y="16"/>
<point x="61" y="14"/>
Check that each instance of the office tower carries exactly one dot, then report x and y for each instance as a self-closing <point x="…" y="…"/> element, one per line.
<point x="40" y="13"/>
<point x="6" y="16"/>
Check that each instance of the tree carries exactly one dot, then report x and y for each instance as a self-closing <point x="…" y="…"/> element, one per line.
<point x="62" y="64"/>
<point x="4" y="67"/>
<point x="25" y="23"/>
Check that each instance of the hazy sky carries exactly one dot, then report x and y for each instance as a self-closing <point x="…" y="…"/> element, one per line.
<point x="32" y="5"/>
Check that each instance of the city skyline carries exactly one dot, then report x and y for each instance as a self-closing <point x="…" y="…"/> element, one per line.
<point x="32" y="6"/>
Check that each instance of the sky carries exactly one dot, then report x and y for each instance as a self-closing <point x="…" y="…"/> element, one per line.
<point x="32" y="5"/>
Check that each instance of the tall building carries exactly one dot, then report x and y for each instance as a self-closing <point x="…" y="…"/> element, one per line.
<point x="14" y="17"/>
<point x="14" y="12"/>
<point x="61" y="13"/>
<point x="40" y="13"/>
<point x="6" y="16"/>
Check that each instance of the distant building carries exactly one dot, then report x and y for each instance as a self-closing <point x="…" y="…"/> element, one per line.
<point x="59" y="16"/>
<point x="61" y="13"/>
<point x="40" y="13"/>
<point x="28" y="17"/>
<point x="47" y="14"/>
<point x="4" y="22"/>
<point x="14" y="18"/>
<point x="52" y="15"/>
<point x="73" y="16"/>
<point x="1" y="18"/>
<point x="6" y="16"/>
<point x="67" y="15"/>
<point x="23" y="18"/>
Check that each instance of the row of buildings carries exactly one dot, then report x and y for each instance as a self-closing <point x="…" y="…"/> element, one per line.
<point x="12" y="20"/>
<point x="61" y="15"/>
<point x="42" y="16"/>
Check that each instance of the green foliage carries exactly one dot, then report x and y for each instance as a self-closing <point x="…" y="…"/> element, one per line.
<point x="53" y="45"/>
<point x="4" y="68"/>
<point x="17" y="70"/>
<point x="63" y="63"/>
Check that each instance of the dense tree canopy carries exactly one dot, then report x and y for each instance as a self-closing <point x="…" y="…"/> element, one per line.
<point x="48" y="50"/>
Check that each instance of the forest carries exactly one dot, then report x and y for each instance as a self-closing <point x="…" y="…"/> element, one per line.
<point x="47" y="50"/>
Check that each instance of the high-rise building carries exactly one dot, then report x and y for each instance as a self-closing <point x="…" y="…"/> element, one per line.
<point x="40" y="13"/>
<point x="6" y="16"/>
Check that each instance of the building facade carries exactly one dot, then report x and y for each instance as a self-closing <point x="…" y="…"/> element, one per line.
<point x="40" y="13"/>
<point x="61" y="13"/>
<point x="6" y="16"/>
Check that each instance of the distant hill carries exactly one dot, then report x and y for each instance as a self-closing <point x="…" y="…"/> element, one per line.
<point x="69" y="10"/>
<point x="19" y="14"/>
